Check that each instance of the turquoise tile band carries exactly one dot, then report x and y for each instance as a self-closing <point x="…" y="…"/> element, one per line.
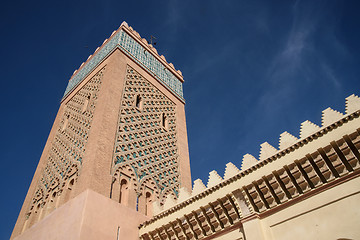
<point x="135" y="51"/>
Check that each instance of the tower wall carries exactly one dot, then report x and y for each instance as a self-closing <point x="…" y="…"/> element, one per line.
<point x="79" y="153"/>
<point x="88" y="216"/>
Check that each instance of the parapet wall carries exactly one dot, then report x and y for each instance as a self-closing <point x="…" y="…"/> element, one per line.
<point x="287" y="143"/>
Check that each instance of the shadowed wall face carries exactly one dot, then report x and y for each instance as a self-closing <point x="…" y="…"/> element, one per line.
<point x="66" y="153"/>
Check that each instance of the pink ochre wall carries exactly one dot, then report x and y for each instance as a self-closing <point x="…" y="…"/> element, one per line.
<point x="89" y="216"/>
<point x="97" y="160"/>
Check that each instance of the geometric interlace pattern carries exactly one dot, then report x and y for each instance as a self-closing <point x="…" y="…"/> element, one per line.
<point x="146" y="141"/>
<point x="68" y="146"/>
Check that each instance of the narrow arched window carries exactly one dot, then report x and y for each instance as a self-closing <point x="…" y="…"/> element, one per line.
<point x="50" y="205"/>
<point x="68" y="190"/>
<point x="86" y="104"/>
<point x="148" y="204"/>
<point x="138" y="102"/>
<point x="34" y="215"/>
<point x="71" y="184"/>
<point x="164" y="121"/>
<point x="38" y="208"/>
<point x="124" y="192"/>
<point x="53" y="200"/>
<point x="66" y="121"/>
<point x="40" y="211"/>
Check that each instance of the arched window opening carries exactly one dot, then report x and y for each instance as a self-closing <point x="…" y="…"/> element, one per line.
<point x="68" y="191"/>
<point x="86" y="104"/>
<point x="38" y="208"/>
<point x="138" y="102"/>
<point x="66" y="121"/>
<point x="148" y="204"/>
<point x="40" y="211"/>
<point x="37" y="212"/>
<point x="124" y="192"/>
<point x="34" y="215"/>
<point x="71" y="184"/>
<point x="164" y="121"/>
<point x="50" y="205"/>
<point x="55" y="199"/>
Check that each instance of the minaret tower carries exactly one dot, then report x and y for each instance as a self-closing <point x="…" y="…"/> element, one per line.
<point x="118" y="143"/>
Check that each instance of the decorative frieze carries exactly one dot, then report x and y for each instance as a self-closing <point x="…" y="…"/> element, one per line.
<point x="136" y="51"/>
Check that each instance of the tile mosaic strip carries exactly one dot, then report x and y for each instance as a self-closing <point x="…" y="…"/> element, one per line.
<point x="135" y="51"/>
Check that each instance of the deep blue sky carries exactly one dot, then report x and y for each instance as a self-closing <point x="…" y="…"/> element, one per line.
<point x="252" y="70"/>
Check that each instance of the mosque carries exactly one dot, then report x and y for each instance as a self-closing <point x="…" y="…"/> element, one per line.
<point x="116" y="165"/>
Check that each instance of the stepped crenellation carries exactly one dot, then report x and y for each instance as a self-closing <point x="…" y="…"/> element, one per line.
<point x="352" y="104"/>
<point x="307" y="128"/>
<point x="214" y="179"/>
<point x="230" y="170"/>
<point x="286" y="140"/>
<point x="330" y="116"/>
<point x="140" y="39"/>
<point x="198" y="187"/>
<point x="267" y="151"/>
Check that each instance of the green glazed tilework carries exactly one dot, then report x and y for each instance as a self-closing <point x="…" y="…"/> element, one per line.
<point x="135" y="51"/>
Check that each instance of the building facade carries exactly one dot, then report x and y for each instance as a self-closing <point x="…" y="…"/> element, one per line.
<point x="119" y="135"/>
<point x="116" y="165"/>
<point x="308" y="188"/>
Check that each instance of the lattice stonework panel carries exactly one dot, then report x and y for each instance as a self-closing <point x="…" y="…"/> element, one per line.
<point x="68" y="146"/>
<point x="146" y="136"/>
